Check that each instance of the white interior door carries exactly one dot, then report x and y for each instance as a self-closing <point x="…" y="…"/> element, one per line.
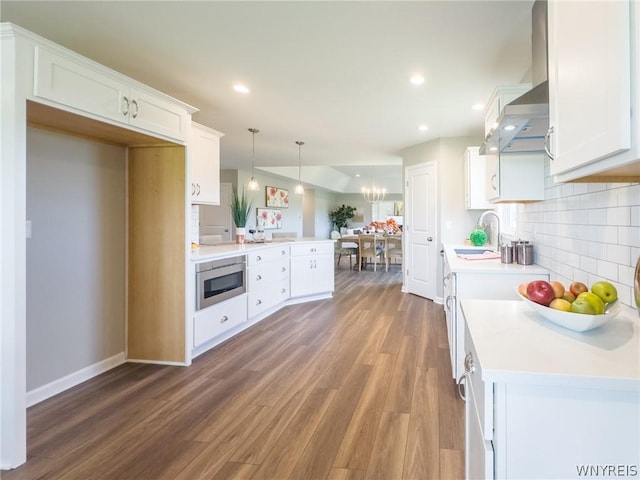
<point x="216" y="219"/>
<point x="420" y="230"/>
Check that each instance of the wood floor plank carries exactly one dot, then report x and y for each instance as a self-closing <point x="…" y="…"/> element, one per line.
<point x="387" y="457"/>
<point x="404" y="374"/>
<point x="291" y="444"/>
<point x="300" y="395"/>
<point x="422" y="460"/>
<point x="318" y="457"/>
<point x="360" y="435"/>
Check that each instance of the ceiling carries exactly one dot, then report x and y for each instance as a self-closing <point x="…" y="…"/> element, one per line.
<point x="332" y="74"/>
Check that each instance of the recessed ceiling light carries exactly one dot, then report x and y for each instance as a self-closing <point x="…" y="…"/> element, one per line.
<point x="416" y="79"/>
<point x="423" y="128"/>
<point x="357" y="175"/>
<point x="241" y="88"/>
<point x="477" y="107"/>
<point x="493" y="149"/>
<point x="508" y="128"/>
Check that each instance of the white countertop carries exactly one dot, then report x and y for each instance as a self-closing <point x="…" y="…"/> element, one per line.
<point x="457" y="264"/>
<point x="515" y="344"/>
<point x="230" y="249"/>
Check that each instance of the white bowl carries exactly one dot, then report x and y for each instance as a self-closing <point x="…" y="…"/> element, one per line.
<point x="578" y="322"/>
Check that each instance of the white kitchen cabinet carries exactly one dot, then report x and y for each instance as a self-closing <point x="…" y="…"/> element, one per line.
<point x="514" y="177"/>
<point x="593" y="89"/>
<point x="475" y="193"/>
<point x="267" y="279"/>
<point x="487" y="279"/>
<point x="77" y="84"/>
<point x="218" y="319"/>
<point x="545" y="402"/>
<point x="312" y="269"/>
<point x="204" y="162"/>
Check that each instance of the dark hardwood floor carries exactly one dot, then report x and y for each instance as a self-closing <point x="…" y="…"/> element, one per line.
<point x="356" y="387"/>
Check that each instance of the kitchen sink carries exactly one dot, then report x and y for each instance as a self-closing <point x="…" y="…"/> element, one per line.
<point x="471" y="251"/>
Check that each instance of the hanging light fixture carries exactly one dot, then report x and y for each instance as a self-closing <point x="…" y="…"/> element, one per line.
<point x="299" y="188"/>
<point x="253" y="183"/>
<point x="373" y="194"/>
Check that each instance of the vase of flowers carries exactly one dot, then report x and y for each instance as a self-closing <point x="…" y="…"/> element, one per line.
<point x="240" y="209"/>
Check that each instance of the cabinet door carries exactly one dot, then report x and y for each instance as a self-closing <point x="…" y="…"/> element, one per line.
<point x="75" y="85"/>
<point x="478" y="450"/>
<point x="589" y="82"/>
<point x="492" y="185"/>
<point x="323" y="274"/>
<point x="205" y="166"/>
<point x="158" y="115"/>
<point x="475" y="177"/>
<point x="301" y="278"/>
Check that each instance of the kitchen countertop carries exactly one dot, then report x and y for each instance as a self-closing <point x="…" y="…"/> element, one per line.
<point x="515" y="344"/>
<point x="457" y="264"/>
<point x="230" y="249"/>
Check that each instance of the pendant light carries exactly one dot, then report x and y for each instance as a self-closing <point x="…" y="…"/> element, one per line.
<point x="253" y="183"/>
<point x="374" y="194"/>
<point x="299" y="188"/>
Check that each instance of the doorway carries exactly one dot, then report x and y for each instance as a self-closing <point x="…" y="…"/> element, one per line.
<point x="216" y="219"/>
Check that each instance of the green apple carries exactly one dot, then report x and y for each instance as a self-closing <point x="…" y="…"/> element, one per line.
<point x="606" y="291"/>
<point x="595" y="301"/>
<point x="580" y="305"/>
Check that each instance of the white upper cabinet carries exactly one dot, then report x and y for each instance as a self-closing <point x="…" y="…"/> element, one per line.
<point x="204" y="162"/>
<point x="515" y="177"/>
<point x="593" y="76"/>
<point x="475" y="195"/>
<point x="79" y="85"/>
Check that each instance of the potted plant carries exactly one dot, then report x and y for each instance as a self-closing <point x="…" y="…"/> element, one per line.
<point x="340" y="216"/>
<point x="240" y="208"/>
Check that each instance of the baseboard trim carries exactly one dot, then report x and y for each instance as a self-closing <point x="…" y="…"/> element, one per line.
<point x="58" y="386"/>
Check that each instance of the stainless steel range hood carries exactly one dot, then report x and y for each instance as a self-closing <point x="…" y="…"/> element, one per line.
<point x="524" y="122"/>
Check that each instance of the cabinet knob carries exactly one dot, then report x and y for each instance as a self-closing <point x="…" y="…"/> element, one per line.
<point x="284" y="290"/>
<point x="224" y="319"/>
<point x="283" y="252"/>
<point x="258" y="277"/>
<point x="469" y="366"/>
<point x="258" y="258"/>
<point x="284" y="269"/>
<point x="258" y="302"/>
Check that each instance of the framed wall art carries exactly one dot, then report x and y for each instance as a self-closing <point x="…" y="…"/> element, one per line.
<point x="277" y="197"/>
<point x="269" y="218"/>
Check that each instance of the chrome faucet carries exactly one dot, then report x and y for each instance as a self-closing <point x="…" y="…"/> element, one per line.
<point x="498" y="238"/>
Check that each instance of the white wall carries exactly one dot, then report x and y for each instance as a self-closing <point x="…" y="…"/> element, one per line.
<point x="76" y="255"/>
<point x="586" y="232"/>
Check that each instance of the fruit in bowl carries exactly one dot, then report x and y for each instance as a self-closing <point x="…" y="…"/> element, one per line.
<point x="587" y="310"/>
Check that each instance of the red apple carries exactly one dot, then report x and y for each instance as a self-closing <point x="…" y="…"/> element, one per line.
<point x="577" y="288"/>
<point x="540" y="291"/>
<point x="522" y="289"/>
<point x="558" y="288"/>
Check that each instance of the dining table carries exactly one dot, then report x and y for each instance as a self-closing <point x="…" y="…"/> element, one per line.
<point x="379" y="240"/>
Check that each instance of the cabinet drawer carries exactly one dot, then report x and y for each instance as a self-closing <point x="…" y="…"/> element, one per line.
<point x="312" y="249"/>
<point x="267" y="273"/>
<point x="267" y="296"/>
<point x="267" y="254"/>
<point x="212" y="321"/>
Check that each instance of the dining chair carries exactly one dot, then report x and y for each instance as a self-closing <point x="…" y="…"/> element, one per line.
<point x="348" y="248"/>
<point x="369" y="248"/>
<point x="392" y="249"/>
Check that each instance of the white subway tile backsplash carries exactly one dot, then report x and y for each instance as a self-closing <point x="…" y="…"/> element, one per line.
<point x="586" y="232"/>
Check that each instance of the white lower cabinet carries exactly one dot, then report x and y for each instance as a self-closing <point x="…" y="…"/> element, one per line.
<point x="461" y="285"/>
<point x="214" y="321"/>
<point x="519" y="429"/>
<point x="312" y="269"/>
<point x="267" y="279"/>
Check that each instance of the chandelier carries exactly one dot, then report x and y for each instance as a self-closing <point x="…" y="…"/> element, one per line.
<point x="253" y="183"/>
<point x="373" y="194"/>
<point x="299" y="188"/>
